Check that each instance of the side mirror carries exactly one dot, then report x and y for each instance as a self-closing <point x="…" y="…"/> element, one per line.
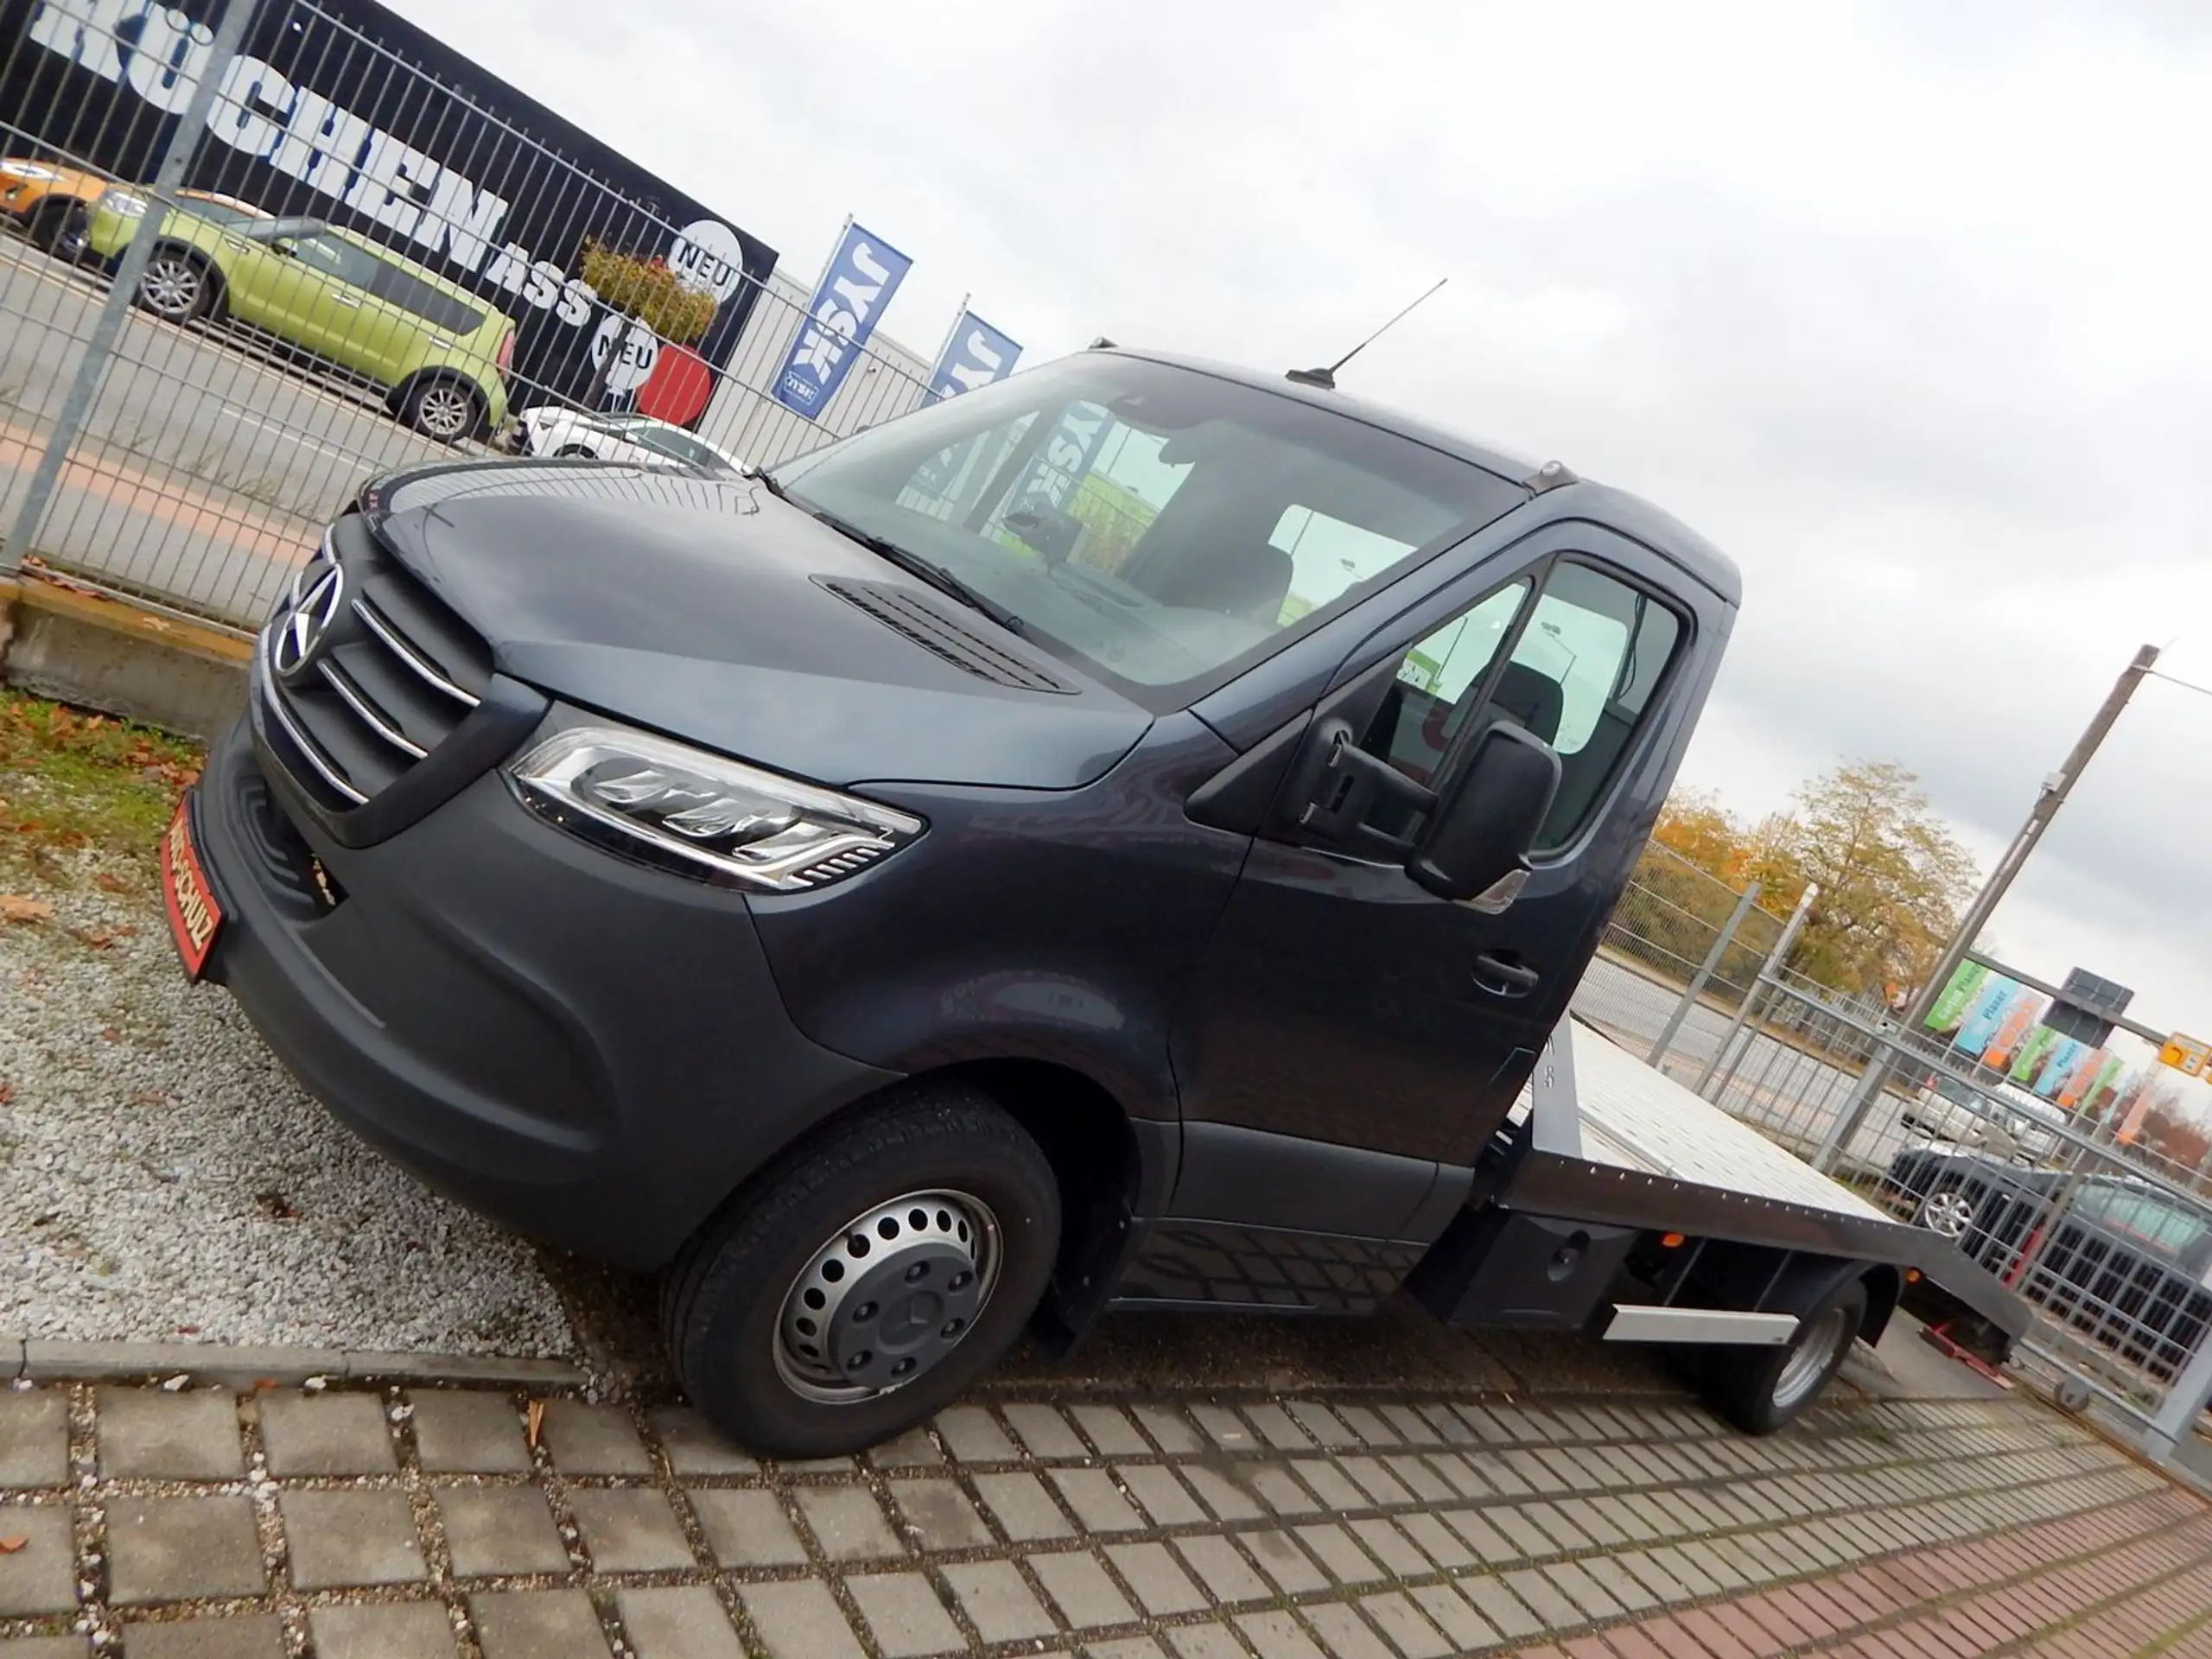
<point x="1488" y="815"/>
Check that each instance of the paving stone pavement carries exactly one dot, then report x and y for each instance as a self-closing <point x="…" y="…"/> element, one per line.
<point x="427" y="1523"/>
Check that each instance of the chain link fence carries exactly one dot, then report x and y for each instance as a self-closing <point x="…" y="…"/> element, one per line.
<point x="260" y="252"/>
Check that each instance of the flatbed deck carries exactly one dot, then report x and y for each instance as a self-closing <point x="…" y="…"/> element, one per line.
<point x="1600" y="1134"/>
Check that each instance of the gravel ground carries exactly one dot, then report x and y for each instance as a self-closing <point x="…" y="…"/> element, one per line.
<point x="161" y="1177"/>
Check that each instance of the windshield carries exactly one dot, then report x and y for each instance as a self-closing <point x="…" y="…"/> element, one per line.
<point x="1158" y="524"/>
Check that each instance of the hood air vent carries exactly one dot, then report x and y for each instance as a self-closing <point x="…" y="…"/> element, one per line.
<point x="906" y="612"/>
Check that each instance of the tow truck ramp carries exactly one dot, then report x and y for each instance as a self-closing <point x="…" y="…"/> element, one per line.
<point x="1600" y="1137"/>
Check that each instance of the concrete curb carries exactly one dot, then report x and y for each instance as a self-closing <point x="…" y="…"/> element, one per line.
<point x="244" y="1366"/>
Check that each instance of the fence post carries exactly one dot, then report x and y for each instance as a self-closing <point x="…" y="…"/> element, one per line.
<point x="1768" y="970"/>
<point x="1704" y="970"/>
<point x="77" y="406"/>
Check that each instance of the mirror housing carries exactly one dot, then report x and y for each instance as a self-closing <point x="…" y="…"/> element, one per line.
<point x="1487" y="815"/>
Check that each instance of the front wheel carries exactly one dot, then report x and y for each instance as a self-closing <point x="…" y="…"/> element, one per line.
<point x="1947" y="1212"/>
<point x="176" y="287"/>
<point x="1762" y="1389"/>
<point x="445" y="411"/>
<point x="866" y="1281"/>
<point x="60" y="229"/>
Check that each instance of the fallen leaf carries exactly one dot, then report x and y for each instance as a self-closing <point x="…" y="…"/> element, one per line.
<point x="188" y="1329"/>
<point x="537" y="1419"/>
<point x="110" y="1034"/>
<point x="7" y="1093"/>
<point x="97" y="940"/>
<point x="13" y="907"/>
<point x="109" y="881"/>
<point x="263" y="1384"/>
<point x="9" y="1546"/>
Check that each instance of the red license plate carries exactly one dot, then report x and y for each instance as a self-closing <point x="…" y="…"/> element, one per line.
<point x="194" y="916"/>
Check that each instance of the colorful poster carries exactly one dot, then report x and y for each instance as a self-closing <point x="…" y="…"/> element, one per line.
<point x="1958" y="995"/>
<point x="2082" y="1079"/>
<point x="2027" y="1064"/>
<point x="2060" y="1064"/>
<point x="1986" y="1012"/>
<point x="2019" y="1020"/>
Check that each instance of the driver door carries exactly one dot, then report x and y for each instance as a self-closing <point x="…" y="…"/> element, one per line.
<point x="1352" y="1039"/>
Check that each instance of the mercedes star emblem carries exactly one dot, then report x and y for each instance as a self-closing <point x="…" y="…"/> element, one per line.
<point x="299" y="633"/>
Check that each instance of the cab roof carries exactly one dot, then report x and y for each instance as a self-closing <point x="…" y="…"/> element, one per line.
<point x="1630" y="514"/>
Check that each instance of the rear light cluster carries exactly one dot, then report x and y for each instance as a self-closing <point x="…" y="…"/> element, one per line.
<point x="506" y="357"/>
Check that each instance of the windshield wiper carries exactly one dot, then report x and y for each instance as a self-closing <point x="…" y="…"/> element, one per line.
<point x="912" y="564"/>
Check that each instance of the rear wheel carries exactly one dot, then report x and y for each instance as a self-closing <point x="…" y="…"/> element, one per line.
<point x="446" y="410"/>
<point x="573" y="452"/>
<point x="858" y="1287"/>
<point x="1762" y="1389"/>
<point x="60" y="228"/>
<point x="176" y="287"/>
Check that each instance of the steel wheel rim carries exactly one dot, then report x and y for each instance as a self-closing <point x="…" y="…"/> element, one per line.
<point x="887" y="1297"/>
<point x="1816" y="1345"/>
<point x="1948" y="1215"/>
<point x="171" y="287"/>
<point x="442" y="411"/>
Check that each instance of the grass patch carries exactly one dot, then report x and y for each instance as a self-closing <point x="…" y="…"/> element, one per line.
<point x="71" y="782"/>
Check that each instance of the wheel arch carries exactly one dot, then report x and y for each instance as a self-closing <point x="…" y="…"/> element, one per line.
<point x="1103" y="1162"/>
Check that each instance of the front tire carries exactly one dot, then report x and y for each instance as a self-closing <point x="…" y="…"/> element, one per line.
<point x="868" y="1279"/>
<point x="443" y="409"/>
<point x="176" y="287"/>
<point x="1762" y="1390"/>
<point x="60" y="229"/>
<point x="1947" y="1212"/>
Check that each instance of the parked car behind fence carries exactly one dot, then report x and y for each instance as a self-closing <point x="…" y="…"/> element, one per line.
<point x="439" y="354"/>
<point x="2123" y="1259"/>
<point x="554" y="429"/>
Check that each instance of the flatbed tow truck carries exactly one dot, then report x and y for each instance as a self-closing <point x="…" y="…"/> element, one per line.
<point x="1125" y="836"/>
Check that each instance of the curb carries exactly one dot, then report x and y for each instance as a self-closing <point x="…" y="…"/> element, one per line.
<point x="244" y="1366"/>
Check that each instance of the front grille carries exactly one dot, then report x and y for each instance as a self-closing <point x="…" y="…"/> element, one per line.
<point x="392" y="676"/>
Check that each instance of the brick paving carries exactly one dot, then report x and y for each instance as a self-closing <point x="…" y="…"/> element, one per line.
<point x="426" y="1524"/>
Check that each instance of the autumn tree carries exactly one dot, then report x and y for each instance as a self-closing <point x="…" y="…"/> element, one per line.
<point x="1893" y="878"/>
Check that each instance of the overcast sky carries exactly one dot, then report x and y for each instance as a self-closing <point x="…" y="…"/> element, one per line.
<point x="1904" y="306"/>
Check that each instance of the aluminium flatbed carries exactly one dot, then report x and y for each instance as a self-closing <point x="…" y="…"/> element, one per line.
<point x="1707" y="1236"/>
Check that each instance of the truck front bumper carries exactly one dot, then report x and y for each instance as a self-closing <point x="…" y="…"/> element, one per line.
<point x="592" y="1053"/>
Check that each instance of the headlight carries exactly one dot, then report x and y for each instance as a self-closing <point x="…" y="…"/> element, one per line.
<point x="124" y="205"/>
<point x="703" y="816"/>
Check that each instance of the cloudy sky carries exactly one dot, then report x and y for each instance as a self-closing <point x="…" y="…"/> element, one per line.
<point x="1906" y="307"/>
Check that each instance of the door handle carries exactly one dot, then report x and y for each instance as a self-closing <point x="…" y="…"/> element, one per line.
<point x="340" y="299"/>
<point x="1504" y="976"/>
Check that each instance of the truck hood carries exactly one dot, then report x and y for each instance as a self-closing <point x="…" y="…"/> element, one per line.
<point x="696" y="606"/>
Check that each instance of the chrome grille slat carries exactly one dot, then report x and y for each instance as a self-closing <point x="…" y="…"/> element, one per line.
<point x="351" y="695"/>
<point x="376" y="622"/>
<point x="312" y="752"/>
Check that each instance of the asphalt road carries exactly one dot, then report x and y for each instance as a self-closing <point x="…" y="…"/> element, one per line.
<point x="207" y="466"/>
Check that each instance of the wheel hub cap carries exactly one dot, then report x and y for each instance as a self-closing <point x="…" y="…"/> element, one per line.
<point x="889" y="1296"/>
<point x="1949" y="1213"/>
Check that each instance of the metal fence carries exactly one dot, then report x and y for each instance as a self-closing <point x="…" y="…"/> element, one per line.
<point x="2110" y="1242"/>
<point x="258" y="257"/>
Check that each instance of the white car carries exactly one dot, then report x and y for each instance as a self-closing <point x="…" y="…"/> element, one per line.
<point x="639" y="440"/>
<point x="1998" y="1119"/>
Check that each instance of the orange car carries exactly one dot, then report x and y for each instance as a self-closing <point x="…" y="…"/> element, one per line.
<point x="52" y="203"/>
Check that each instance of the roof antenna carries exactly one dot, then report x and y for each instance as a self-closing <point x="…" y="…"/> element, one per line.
<point x="1327" y="378"/>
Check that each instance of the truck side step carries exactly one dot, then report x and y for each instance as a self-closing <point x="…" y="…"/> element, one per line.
<point x="1700" y="1326"/>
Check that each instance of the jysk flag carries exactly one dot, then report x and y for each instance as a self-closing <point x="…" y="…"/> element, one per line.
<point x="976" y="355"/>
<point x="859" y="283"/>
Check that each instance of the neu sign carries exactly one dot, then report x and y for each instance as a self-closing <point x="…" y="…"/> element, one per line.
<point x="339" y="110"/>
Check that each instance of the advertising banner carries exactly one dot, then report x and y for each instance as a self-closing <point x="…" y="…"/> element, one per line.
<point x="2020" y="1017"/>
<point x="2034" y="1047"/>
<point x="857" y="284"/>
<point x="342" y="112"/>
<point x="1958" y="994"/>
<point x="1978" y="1027"/>
<point x="975" y="354"/>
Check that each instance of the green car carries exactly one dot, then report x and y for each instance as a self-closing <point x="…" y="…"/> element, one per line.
<point x="440" y="354"/>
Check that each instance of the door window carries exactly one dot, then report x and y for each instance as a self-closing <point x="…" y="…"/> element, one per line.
<point x="1583" y="664"/>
